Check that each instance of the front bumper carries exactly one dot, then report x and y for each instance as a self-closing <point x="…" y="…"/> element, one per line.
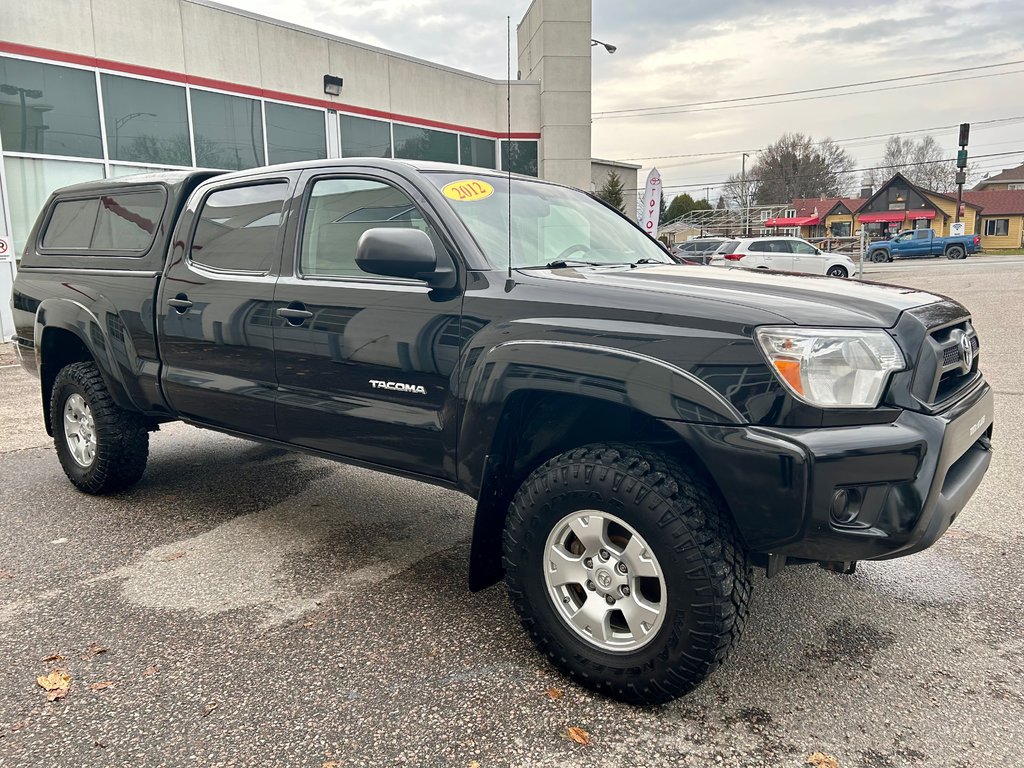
<point x="907" y="480"/>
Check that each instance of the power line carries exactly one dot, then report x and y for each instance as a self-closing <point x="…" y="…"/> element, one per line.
<point x="810" y="90"/>
<point x="898" y="166"/>
<point x="837" y="141"/>
<point x="871" y="92"/>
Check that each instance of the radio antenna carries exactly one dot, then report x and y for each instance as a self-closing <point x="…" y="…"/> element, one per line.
<point x="508" y="139"/>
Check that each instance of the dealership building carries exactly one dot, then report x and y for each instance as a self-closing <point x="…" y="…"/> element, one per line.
<point x="108" y="88"/>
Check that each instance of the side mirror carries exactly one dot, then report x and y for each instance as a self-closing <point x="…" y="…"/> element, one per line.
<point x="404" y="252"/>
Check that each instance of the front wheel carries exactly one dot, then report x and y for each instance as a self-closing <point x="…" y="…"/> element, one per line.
<point x="878" y="257"/>
<point x="955" y="252"/>
<point x="101" y="447"/>
<point x="837" y="271"/>
<point x="626" y="572"/>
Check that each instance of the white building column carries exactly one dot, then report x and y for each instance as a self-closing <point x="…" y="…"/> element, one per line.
<point x="554" y="48"/>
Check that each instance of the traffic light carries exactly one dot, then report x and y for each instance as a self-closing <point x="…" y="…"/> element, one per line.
<point x="965" y="134"/>
<point x="961" y="158"/>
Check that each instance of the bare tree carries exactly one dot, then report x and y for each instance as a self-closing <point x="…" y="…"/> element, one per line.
<point x="798" y="166"/>
<point x="922" y="161"/>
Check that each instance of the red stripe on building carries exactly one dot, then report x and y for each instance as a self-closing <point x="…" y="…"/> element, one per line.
<point x="82" y="60"/>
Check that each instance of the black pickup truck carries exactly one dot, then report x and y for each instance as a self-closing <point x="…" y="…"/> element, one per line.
<point x="638" y="434"/>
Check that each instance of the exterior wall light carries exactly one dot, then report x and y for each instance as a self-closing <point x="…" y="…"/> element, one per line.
<point x="332" y="85"/>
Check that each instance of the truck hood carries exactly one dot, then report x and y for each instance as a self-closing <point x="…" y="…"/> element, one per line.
<point x="800" y="299"/>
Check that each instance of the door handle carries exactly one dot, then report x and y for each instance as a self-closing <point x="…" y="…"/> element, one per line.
<point x="295" y="313"/>
<point x="180" y="303"/>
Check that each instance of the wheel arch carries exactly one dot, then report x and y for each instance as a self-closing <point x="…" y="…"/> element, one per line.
<point x="536" y="425"/>
<point x="66" y="332"/>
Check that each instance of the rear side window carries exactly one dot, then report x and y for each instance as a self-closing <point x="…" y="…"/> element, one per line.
<point x="729" y="246"/>
<point x="122" y="222"/>
<point x="758" y="247"/>
<point x="238" y="228"/>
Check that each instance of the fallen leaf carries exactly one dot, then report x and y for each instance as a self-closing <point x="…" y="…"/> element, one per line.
<point x="474" y="764"/>
<point x="56" y="684"/>
<point x="101" y="685"/>
<point x="578" y="735"/>
<point x="152" y="669"/>
<point x="208" y="708"/>
<point x="5" y="574"/>
<point x="331" y="764"/>
<point x="821" y="760"/>
<point x="175" y="556"/>
<point x="99" y="744"/>
<point x="94" y="649"/>
<point x="52" y="657"/>
<point x="554" y="693"/>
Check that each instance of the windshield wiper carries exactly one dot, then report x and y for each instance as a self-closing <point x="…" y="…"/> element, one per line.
<point x="563" y="263"/>
<point x="645" y="260"/>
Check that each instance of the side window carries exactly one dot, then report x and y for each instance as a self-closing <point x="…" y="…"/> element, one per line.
<point x="758" y="247"/>
<point x="339" y="212"/>
<point x="922" y="234"/>
<point x="127" y="222"/>
<point x="779" y="246"/>
<point x="71" y="224"/>
<point x="238" y="227"/>
<point x="800" y="247"/>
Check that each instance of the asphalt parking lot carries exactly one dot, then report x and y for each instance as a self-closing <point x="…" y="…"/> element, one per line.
<point x="249" y="606"/>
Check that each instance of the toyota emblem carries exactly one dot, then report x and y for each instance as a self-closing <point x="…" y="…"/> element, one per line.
<point x="966" y="351"/>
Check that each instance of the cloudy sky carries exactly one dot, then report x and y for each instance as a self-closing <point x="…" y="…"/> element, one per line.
<point x="678" y="53"/>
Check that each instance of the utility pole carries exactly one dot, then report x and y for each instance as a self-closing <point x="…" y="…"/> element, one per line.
<point x="961" y="165"/>
<point x="746" y="200"/>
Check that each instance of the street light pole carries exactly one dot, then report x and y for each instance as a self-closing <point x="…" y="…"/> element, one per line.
<point x="746" y="200"/>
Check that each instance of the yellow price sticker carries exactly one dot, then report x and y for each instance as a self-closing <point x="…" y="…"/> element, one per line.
<point x="467" y="190"/>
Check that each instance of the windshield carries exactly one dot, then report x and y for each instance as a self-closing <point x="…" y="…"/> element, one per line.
<point x="549" y="223"/>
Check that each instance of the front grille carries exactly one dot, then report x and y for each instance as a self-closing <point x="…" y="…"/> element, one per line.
<point x="944" y="368"/>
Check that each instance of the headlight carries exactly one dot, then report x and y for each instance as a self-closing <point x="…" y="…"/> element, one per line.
<point x="832" y="368"/>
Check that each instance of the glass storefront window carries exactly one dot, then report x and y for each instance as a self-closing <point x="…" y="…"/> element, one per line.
<point x="29" y="184"/>
<point x="48" y="109"/>
<point x="478" y="152"/>
<point x="146" y="122"/>
<point x="228" y="131"/>
<point x="426" y="144"/>
<point x="519" y="157"/>
<point x="117" y="171"/>
<point x="364" y="138"/>
<point x="295" y="133"/>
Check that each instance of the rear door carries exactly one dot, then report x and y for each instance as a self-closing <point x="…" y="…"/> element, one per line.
<point x="364" y="361"/>
<point x="777" y="255"/>
<point x="216" y="301"/>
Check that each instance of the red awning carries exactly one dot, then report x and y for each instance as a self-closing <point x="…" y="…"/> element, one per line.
<point x="793" y="221"/>
<point x="887" y="216"/>
<point x="928" y="214"/>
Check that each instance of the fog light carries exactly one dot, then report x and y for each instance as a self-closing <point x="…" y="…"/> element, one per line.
<point x="845" y="506"/>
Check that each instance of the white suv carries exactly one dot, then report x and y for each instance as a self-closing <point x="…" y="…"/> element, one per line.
<point x="786" y="254"/>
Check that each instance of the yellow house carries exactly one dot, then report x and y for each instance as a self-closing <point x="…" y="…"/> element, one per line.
<point x="1000" y="217"/>
<point x="946" y="204"/>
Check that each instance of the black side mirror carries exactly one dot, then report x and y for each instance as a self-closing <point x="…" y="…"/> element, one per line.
<point x="404" y="252"/>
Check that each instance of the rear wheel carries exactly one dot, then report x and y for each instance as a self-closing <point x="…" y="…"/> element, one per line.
<point x="837" y="271"/>
<point x="626" y="572"/>
<point x="879" y="256"/>
<point x="102" y="448"/>
<point x="955" y="252"/>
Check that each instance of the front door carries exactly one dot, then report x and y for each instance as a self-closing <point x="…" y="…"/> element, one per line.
<point x="364" y="362"/>
<point x="215" y="304"/>
<point x="806" y="258"/>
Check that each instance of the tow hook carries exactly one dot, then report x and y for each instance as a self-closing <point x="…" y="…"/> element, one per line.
<point x="845" y="567"/>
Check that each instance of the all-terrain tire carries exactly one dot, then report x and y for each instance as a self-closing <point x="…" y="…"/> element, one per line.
<point x="880" y="256"/>
<point x="684" y="522"/>
<point x="121" y="438"/>
<point x="955" y="252"/>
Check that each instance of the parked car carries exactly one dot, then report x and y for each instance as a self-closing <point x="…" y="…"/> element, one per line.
<point x="698" y="250"/>
<point x="637" y="434"/>
<point x="923" y="244"/>
<point x="784" y="254"/>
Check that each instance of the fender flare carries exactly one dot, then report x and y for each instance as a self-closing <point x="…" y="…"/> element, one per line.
<point x="631" y="379"/>
<point x="80" y="321"/>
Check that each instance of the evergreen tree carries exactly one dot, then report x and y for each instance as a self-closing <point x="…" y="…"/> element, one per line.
<point x="612" y="191"/>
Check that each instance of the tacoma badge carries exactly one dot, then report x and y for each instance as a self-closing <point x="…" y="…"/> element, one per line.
<point x="397" y="386"/>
